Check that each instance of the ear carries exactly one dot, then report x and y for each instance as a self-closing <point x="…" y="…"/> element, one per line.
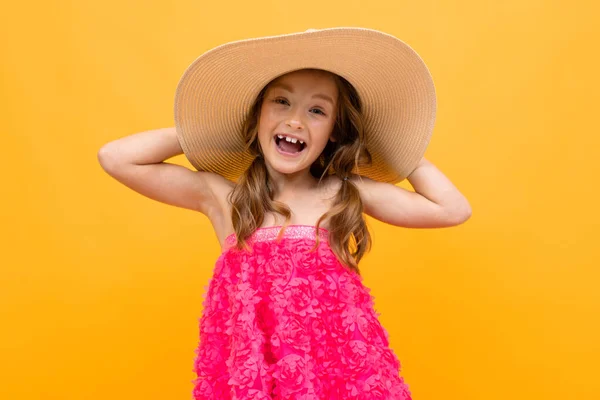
<point x="332" y="139"/>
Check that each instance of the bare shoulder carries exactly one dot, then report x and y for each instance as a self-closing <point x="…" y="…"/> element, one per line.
<point x="219" y="188"/>
<point x="219" y="185"/>
<point x="331" y="185"/>
<point x="328" y="188"/>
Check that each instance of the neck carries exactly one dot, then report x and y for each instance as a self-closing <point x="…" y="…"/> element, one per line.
<point x="287" y="185"/>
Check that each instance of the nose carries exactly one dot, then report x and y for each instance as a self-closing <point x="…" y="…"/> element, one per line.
<point x="294" y="121"/>
<point x="294" y="124"/>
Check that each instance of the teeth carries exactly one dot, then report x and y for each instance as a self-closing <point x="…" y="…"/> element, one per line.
<point x="289" y="139"/>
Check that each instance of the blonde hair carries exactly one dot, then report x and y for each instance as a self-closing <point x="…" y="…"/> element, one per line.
<point x="254" y="194"/>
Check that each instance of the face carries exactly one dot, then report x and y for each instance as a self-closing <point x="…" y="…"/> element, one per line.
<point x="297" y="117"/>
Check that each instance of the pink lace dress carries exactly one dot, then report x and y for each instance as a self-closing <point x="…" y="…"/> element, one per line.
<point x="281" y="322"/>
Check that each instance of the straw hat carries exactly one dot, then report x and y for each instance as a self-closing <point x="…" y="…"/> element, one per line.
<point x="397" y="92"/>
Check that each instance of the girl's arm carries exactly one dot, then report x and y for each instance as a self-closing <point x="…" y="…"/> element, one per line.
<point x="137" y="161"/>
<point x="436" y="202"/>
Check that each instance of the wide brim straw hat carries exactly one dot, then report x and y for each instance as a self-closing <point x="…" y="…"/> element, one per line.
<point x="218" y="89"/>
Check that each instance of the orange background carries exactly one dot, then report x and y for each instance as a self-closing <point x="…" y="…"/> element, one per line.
<point x="101" y="288"/>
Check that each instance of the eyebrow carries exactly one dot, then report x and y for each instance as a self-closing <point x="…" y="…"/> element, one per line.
<point x="289" y="89"/>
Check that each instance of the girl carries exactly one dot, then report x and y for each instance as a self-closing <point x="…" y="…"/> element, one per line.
<point x="329" y="120"/>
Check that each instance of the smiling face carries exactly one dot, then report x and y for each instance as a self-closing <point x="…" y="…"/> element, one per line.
<point x="297" y="117"/>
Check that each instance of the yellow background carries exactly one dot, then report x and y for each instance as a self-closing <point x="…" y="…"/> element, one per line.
<point x="101" y="288"/>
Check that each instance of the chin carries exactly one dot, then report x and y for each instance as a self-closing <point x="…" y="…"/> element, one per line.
<point x="286" y="168"/>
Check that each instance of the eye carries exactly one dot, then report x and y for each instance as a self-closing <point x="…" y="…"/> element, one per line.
<point x="317" y="111"/>
<point x="281" y="100"/>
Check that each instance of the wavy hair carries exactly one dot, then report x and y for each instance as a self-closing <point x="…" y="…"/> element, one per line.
<point x="254" y="194"/>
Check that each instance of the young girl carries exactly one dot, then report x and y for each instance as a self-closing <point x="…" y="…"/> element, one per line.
<point x="295" y="138"/>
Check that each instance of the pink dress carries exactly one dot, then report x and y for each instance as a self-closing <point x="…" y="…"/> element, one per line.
<point x="281" y="322"/>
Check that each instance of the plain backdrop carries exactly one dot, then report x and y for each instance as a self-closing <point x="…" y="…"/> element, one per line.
<point x="101" y="288"/>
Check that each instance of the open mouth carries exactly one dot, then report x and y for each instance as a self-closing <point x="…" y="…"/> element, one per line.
<point x="289" y="145"/>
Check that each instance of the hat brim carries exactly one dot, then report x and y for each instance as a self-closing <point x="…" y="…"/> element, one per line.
<point x="216" y="91"/>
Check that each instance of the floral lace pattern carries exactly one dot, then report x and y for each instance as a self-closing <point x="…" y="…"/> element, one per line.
<point x="282" y="322"/>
